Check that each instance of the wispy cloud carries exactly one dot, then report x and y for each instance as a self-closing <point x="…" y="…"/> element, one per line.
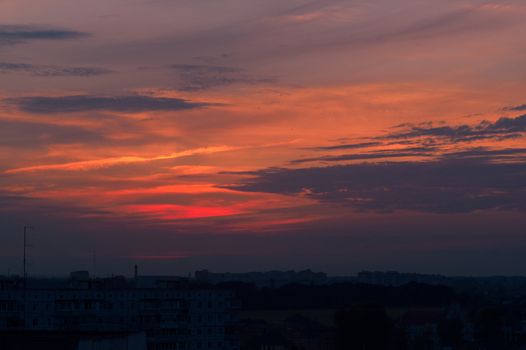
<point x="177" y="256"/>
<point x="192" y="77"/>
<point x="52" y="71"/>
<point x="15" y="34"/>
<point x="384" y="154"/>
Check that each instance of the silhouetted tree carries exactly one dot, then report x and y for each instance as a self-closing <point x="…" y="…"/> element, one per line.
<point x="451" y="332"/>
<point x="341" y="295"/>
<point x="488" y="329"/>
<point x="363" y="327"/>
<point x="423" y="341"/>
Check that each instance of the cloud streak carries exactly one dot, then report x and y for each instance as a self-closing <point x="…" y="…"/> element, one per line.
<point x="87" y="103"/>
<point x="16" y="34"/>
<point x="113" y="161"/>
<point x="347" y="146"/>
<point x="192" y="77"/>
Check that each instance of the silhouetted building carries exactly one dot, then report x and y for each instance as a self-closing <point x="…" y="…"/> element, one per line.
<point x="308" y="334"/>
<point x="178" y="316"/>
<point x="394" y="278"/>
<point x="422" y="324"/>
<point x="271" y="279"/>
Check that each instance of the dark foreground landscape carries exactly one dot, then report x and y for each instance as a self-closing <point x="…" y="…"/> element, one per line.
<point x="263" y="311"/>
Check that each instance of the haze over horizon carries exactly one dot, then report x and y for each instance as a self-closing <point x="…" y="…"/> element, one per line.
<point x="244" y="135"/>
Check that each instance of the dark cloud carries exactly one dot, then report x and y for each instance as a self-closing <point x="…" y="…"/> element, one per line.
<point x="12" y="203"/>
<point x="52" y="71"/>
<point x="454" y="22"/>
<point x="516" y="108"/>
<point x="444" y="181"/>
<point x="84" y="103"/>
<point x="15" y="34"/>
<point x="501" y="129"/>
<point x="494" y="154"/>
<point x="445" y="185"/>
<point x="407" y="152"/>
<point x="193" y="77"/>
<point x="347" y="146"/>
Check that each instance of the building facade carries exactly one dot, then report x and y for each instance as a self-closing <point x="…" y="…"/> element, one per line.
<point x="173" y="317"/>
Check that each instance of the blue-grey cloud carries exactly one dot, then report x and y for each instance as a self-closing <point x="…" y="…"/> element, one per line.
<point x="192" y="77"/>
<point x="85" y="103"/>
<point x="15" y="34"/>
<point x="516" y="108"/>
<point x="441" y="181"/>
<point x="52" y="71"/>
<point x="425" y="139"/>
<point x="444" y="185"/>
<point x="505" y="154"/>
<point x="390" y="30"/>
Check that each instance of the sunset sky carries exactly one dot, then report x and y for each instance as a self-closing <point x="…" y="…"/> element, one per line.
<point x="239" y="135"/>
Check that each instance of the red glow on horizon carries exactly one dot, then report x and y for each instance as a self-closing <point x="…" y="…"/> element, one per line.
<point x="170" y="212"/>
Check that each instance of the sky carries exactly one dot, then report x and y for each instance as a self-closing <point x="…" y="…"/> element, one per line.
<point x="240" y="135"/>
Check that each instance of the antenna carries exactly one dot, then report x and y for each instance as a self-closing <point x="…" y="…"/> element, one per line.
<point x="26" y="231"/>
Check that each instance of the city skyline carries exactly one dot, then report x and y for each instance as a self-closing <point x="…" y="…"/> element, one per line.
<point x="239" y="135"/>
